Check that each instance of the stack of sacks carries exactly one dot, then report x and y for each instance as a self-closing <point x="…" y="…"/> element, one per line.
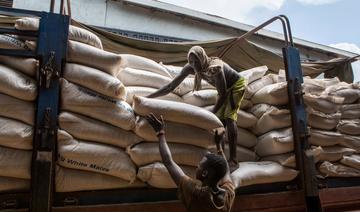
<point x="18" y="92"/>
<point x="189" y="132"/>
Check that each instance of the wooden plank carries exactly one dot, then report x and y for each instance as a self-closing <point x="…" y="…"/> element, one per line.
<point x="340" y="199"/>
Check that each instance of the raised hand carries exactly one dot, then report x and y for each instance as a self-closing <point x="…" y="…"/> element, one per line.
<point x="157" y="125"/>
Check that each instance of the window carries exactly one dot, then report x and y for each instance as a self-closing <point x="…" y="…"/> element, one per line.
<point x="6" y="3"/>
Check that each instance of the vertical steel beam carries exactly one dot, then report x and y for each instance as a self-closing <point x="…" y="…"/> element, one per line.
<point x="52" y="46"/>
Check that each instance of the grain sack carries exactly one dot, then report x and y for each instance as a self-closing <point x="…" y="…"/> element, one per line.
<point x="141" y="78"/>
<point x="9" y="184"/>
<point x="254" y="74"/>
<point x="70" y="180"/>
<point x="145" y="91"/>
<point x="172" y="70"/>
<point x="93" y="57"/>
<point x="187" y="85"/>
<point x="17" y="109"/>
<point x="253" y="87"/>
<point x="351" y="161"/>
<point x="15" y="163"/>
<point x="275" y="142"/>
<point x="245" y="138"/>
<point x="201" y="98"/>
<point x="321" y="120"/>
<point x="317" y="86"/>
<point x="75" y="33"/>
<point x="251" y="173"/>
<point x="84" y="128"/>
<point x="323" y="103"/>
<point x="350" y="127"/>
<point x="272" y="119"/>
<point x="350" y="92"/>
<point x="274" y="94"/>
<point x="94" y="157"/>
<point x="324" y="138"/>
<point x="83" y="101"/>
<point x="95" y="80"/>
<point x="337" y="170"/>
<point x="10" y="42"/>
<point x="176" y="133"/>
<point x="156" y="175"/>
<point x="15" y="134"/>
<point x="142" y="63"/>
<point x="16" y="84"/>
<point x="183" y="154"/>
<point x="352" y="142"/>
<point x="259" y="109"/>
<point x="245" y="104"/>
<point x="335" y="153"/>
<point x="350" y="111"/>
<point x="288" y="159"/>
<point x="28" y="66"/>
<point x="242" y="154"/>
<point x="245" y="119"/>
<point x="177" y="112"/>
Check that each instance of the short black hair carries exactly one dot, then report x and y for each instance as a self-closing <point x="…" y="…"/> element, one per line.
<point x="216" y="166"/>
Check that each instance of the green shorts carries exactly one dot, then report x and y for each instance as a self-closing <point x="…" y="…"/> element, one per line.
<point x="231" y="106"/>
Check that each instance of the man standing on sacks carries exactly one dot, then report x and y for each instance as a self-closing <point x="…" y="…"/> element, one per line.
<point x="228" y="83"/>
<point x="213" y="191"/>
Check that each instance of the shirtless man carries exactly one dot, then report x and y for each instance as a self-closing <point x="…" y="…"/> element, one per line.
<point x="213" y="191"/>
<point x="229" y="84"/>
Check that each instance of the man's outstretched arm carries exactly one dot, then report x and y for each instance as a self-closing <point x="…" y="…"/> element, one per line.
<point x="175" y="171"/>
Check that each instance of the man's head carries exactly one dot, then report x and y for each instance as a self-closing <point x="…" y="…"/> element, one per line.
<point x="211" y="169"/>
<point x="197" y="58"/>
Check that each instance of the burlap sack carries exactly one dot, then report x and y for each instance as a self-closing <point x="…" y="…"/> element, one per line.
<point x="187" y="85"/>
<point x="17" y="109"/>
<point x="176" y="133"/>
<point x="15" y="163"/>
<point x="183" y="154"/>
<point x="321" y="120"/>
<point x="94" y="57"/>
<point x="242" y="154"/>
<point x="351" y="161"/>
<point x="272" y="119"/>
<point x="245" y="119"/>
<point x="324" y="103"/>
<point x="141" y="78"/>
<point x="9" y="184"/>
<point x="28" y="66"/>
<point x="70" y="180"/>
<point x="350" y="92"/>
<point x="201" y="98"/>
<point x="350" y="111"/>
<point x="335" y="153"/>
<point x="352" y="142"/>
<point x="75" y="33"/>
<point x="10" y="42"/>
<point x="275" y="142"/>
<point x="177" y="112"/>
<point x="94" y="157"/>
<point x="85" y="128"/>
<point x="16" y="84"/>
<point x="288" y="159"/>
<point x="83" y="101"/>
<point x="142" y="63"/>
<point x="15" y="134"/>
<point x="324" y="138"/>
<point x="145" y="91"/>
<point x="254" y="74"/>
<point x="350" y="127"/>
<point x="251" y="173"/>
<point x="245" y="138"/>
<point x="274" y="94"/>
<point x="156" y="175"/>
<point x="337" y="170"/>
<point x="253" y="87"/>
<point x="95" y="80"/>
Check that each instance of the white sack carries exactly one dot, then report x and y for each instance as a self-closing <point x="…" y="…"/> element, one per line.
<point x="242" y="154"/>
<point x="10" y="42"/>
<point x="351" y="161"/>
<point x="321" y="120"/>
<point x="352" y="142"/>
<point x="274" y="94"/>
<point x="253" y="87"/>
<point x="318" y="86"/>
<point x="335" y="153"/>
<point x="15" y="163"/>
<point x="245" y="138"/>
<point x="253" y="74"/>
<point x="324" y="138"/>
<point x="187" y="85"/>
<point x="94" y="157"/>
<point x="85" y="128"/>
<point x="337" y="170"/>
<point x="9" y="184"/>
<point x="17" y="109"/>
<point x="323" y="103"/>
<point x="350" y="127"/>
<point x="95" y="80"/>
<point x="245" y="119"/>
<point x="83" y="101"/>
<point x="201" y="98"/>
<point x="275" y="142"/>
<point x="28" y="66"/>
<point x="272" y="119"/>
<point x="15" y="134"/>
<point x="142" y="78"/>
<point x="350" y="92"/>
<point x="351" y="111"/>
<point x="145" y="91"/>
